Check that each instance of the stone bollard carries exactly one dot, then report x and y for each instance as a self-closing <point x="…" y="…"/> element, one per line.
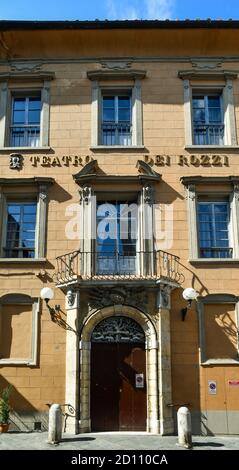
<point x="55" y="424"/>
<point x="184" y="427"/>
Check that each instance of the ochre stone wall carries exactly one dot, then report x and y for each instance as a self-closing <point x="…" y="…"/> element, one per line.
<point x="163" y="134"/>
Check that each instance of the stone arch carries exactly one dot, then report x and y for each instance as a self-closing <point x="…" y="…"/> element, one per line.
<point x="141" y="318"/>
<point x="151" y="347"/>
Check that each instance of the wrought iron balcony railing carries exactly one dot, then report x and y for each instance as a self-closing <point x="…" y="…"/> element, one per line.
<point x="216" y="252"/>
<point x="25" y="136"/>
<point x="116" y="133"/>
<point x="142" y="265"/>
<point x="208" y="134"/>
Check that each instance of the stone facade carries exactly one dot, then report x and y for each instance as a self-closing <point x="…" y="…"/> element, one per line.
<point x="71" y="68"/>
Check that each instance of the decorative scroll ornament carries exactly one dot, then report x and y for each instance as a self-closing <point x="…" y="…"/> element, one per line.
<point x="16" y="161"/>
<point x="136" y="297"/>
<point x="116" y="64"/>
<point x="26" y="66"/>
<point x="71" y="296"/>
<point x="118" y="330"/>
<point x="85" y="194"/>
<point x="148" y="194"/>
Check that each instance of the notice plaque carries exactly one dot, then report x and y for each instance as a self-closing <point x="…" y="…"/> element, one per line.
<point x="139" y="380"/>
<point x="212" y="387"/>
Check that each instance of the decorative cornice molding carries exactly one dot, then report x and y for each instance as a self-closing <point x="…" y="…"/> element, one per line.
<point x="89" y="175"/>
<point x="116" y="74"/>
<point x="146" y="169"/>
<point x="116" y="64"/>
<point x="89" y="169"/>
<point x="26" y="181"/>
<point x="103" y="297"/>
<point x="208" y="74"/>
<point x="26" y="76"/>
<point x="210" y="64"/>
<point x="190" y="180"/>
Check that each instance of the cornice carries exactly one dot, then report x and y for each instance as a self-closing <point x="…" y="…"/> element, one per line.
<point x="26" y="181"/>
<point x="116" y="74"/>
<point x="208" y="74"/>
<point x="187" y="180"/>
<point x="32" y="76"/>
<point x="91" y="174"/>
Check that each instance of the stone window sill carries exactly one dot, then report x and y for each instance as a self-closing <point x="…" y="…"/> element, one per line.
<point x="225" y="361"/>
<point x="22" y="260"/>
<point x="25" y="149"/>
<point x="211" y="147"/>
<point x="12" y="362"/>
<point x="214" y="261"/>
<point x="118" y="147"/>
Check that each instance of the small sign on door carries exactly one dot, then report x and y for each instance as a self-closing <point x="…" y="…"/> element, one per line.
<point x="139" y="380"/>
<point x="212" y="387"/>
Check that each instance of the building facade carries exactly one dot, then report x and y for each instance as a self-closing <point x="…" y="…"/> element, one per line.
<point x="120" y="189"/>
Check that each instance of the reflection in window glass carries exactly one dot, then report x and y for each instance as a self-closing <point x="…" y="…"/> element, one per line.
<point x="21" y="228"/>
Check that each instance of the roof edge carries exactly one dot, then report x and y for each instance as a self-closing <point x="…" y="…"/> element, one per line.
<point x="8" y="25"/>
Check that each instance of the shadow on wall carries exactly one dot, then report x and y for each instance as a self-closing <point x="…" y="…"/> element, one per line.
<point x="24" y="417"/>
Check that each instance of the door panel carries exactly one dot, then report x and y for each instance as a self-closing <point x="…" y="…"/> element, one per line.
<point x="117" y="402"/>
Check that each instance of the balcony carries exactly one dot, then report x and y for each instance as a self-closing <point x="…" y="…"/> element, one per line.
<point x="79" y="267"/>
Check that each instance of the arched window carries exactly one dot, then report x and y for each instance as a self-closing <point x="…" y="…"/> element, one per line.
<point x="118" y="329"/>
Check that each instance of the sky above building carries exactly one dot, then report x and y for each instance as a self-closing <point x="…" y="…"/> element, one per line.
<point x="117" y="9"/>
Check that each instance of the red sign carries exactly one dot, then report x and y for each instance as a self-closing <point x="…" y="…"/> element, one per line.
<point x="233" y="382"/>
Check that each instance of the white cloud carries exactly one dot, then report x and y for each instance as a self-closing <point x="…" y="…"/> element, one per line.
<point x="159" y="9"/>
<point x="136" y="9"/>
<point x="117" y="11"/>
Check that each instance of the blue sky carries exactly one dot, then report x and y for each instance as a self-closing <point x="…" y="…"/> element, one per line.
<point x="117" y="9"/>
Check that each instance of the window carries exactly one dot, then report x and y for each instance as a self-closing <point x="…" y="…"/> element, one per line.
<point x="116" y="120"/>
<point x="24" y="219"/>
<point x="208" y="125"/>
<point x="25" y="121"/>
<point x="25" y="111"/>
<point x="213" y="222"/>
<point x="21" y="230"/>
<point x="116" y="110"/>
<point x="213" y="229"/>
<point x="18" y="329"/>
<point x="209" y="109"/>
<point x="218" y="329"/>
<point x="116" y="237"/>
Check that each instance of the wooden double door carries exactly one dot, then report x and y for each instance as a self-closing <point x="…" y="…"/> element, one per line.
<point x="118" y="386"/>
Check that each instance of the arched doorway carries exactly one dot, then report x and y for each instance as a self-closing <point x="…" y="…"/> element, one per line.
<point x="118" y="398"/>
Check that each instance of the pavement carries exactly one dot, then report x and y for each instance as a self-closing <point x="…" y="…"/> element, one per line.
<point x="112" y="441"/>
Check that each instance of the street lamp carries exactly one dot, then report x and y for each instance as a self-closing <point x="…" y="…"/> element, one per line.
<point x="48" y="294"/>
<point x="189" y="294"/>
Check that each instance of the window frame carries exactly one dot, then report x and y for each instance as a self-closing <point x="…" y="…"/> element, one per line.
<point x="206" y="95"/>
<point x="16" y="299"/>
<point x="214" y="299"/>
<point x="225" y="88"/>
<point x="8" y="90"/>
<point x="215" y="200"/>
<point x="37" y="191"/>
<point x="26" y="124"/>
<point x="98" y="90"/>
<point x="196" y="187"/>
<point x="4" y="240"/>
<point x="116" y="96"/>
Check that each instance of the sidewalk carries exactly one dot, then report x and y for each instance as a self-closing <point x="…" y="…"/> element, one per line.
<point x="112" y="441"/>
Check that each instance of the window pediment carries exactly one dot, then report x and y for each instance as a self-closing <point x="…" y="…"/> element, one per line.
<point x="91" y="173"/>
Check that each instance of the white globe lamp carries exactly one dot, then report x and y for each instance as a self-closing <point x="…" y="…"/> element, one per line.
<point x="189" y="293"/>
<point x="47" y="294"/>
